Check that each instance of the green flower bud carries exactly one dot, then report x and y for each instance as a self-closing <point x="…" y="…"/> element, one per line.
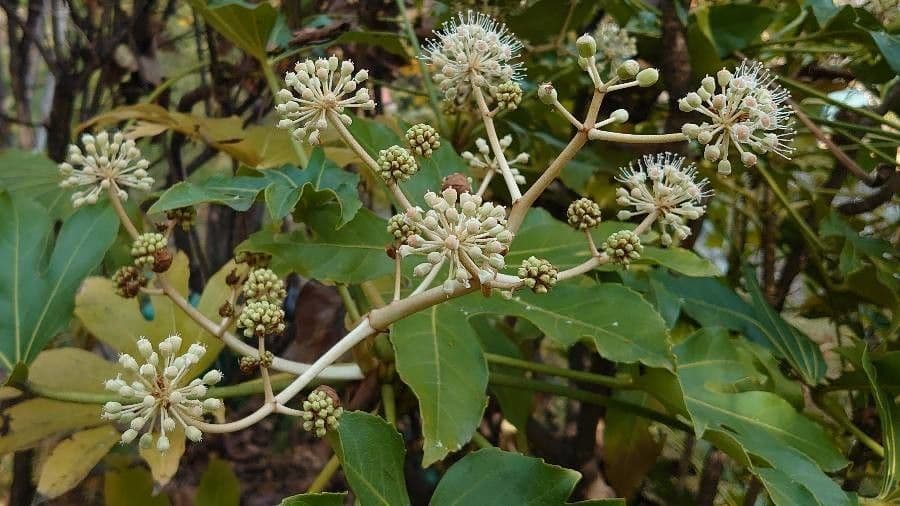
<point x="623" y="247"/>
<point x="538" y="274"/>
<point x="547" y="93"/>
<point x="321" y="411"/>
<point x="263" y="284"/>
<point x="583" y="214"/>
<point x="628" y="69"/>
<point x="261" y="319"/>
<point x="397" y="164"/>
<point x="151" y="250"/>
<point x="508" y="95"/>
<point x="647" y="77"/>
<point x="423" y="139"/>
<point x="587" y="46"/>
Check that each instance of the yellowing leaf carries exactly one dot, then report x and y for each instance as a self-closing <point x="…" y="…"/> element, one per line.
<point x="119" y="323"/>
<point x="30" y="422"/>
<point x="73" y="458"/>
<point x="163" y="466"/>
<point x="71" y="369"/>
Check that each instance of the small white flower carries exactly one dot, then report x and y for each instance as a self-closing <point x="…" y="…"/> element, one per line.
<point x="470" y="233"/>
<point x="750" y="112"/>
<point x="483" y="162"/>
<point x="662" y="183"/>
<point x="474" y="51"/>
<point x="321" y="86"/>
<point x="614" y="44"/>
<point x="104" y="164"/>
<point x="154" y="400"/>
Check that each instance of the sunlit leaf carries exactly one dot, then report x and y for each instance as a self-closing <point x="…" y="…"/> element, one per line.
<point x="73" y="458"/>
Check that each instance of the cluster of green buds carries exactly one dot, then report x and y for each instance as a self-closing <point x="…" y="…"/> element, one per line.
<point x="321" y="411"/>
<point x="155" y="399"/>
<point x="423" y="139"/>
<point x="538" y="274"/>
<point x="399" y="228"/>
<point x="151" y="249"/>
<point x="182" y="216"/>
<point x="623" y="247"/>
<point x="508" y="95"/>
<point x="396" y="164"/>
<point x="263" y="284"/>
<point x="261" y="319"/>
<point x="583" y="214"/>
<point x="128" y="281"/>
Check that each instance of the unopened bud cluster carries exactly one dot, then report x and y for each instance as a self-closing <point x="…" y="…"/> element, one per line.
<point x="249" y="364"/>
<point x="623" y="247"/>
<point x="399" y="229"/>
<point x="423" y="139"/>
<point x="583" y="214"/>
<point x="157" y="396"/>
<point x="319" y="91"/>
<point x="151" y="250"/>
<point x="508" y="95"/>
<point x="462" y="229"/>
<point x="538" y="274"/>
<point x="128" y="281"/>
<point x="261" y="319"/>
<point x="104" y="163"/>
<point x="749" y="112"/>
<point x="263" y="284"/>
<point x="321" y="411"/>
<point x="396" y="164"/>
<point x="253" y="258"/>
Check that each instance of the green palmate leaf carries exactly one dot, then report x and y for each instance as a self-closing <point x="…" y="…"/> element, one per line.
<point x="796" y="347"/>
<point x="320" y="499"/>
<point x="889" y="45"/>
<point x="713" y="304"/>
<point x="119" y="323"/>
<point x="246" y="25"/>
<point x="320" y="182"/>
<point x="439" y="357"/>
<point x="735" y="26"/>
<point x="36" y="292"/>
<point x="492" y="476"/>
<point x="353" y="254"/>
<point x="629" y="449"/>
<point x="721" y="392"/>
<point x="73" y="458"/>
<point x="617" y="320"/>
<point x="219" y="486"/>
<point x="543" y="236"/>
<point x="33" y="175"/>
<point x="888" y="414"/>
<point x="372" y="453"/>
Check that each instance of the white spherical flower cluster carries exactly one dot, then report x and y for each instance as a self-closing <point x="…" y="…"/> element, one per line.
<point x="750" y="112"/>
<point x="153" y="400"/>
<point x="661" y="183"/>
<point x="475" y="51"/>
<point x="614" y="44"/>
<point x="484" y="162"/>
<point x="460" y="227"/>
<point x="322" y="86"/>
<point x="104" y="163"/>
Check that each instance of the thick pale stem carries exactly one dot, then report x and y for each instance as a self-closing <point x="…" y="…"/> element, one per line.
<point x="646" y="223"/>
<point x="360" y="332"/>
<point x="363" y="155"/>
<point x="264" y="372"/>
<point x="120" y="211"/>
<point x="603" y="135"/>
<point x="568" y="115"/>
<point x="505" y="171"/>
<point x="583" y="268"/>
<point x="485" y="182"/>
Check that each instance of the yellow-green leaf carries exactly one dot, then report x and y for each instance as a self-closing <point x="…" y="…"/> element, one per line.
<point x="163" y="466"/>
<point x="131" y="487"/>
<point x="73" y="458"/>
<point x="28" y="423"/>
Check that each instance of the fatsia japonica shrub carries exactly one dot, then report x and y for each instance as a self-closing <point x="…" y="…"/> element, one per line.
<point x="472" y="247"/>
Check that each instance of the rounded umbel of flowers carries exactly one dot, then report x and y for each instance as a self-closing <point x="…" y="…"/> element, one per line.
<point x="318" y="89"/>
<point x="264" y="284"/>
<point x="472" y="51"/>
<point x="748" y="112"/>
<point x="261" y="319"/>
<point x="461" y="229"/>
<point x="623" y="247"/>
<point x="583" y="214"/>
<point x="157" y="394"/>
<point x="538" y="274"/>
<point x="396" y="164"/>
<point x="105" y="162"/>
<point x="321" y="411"/>
<point x="423" y="139"/>
<point x="664" y="185"/>
<point x="151" y="250"/>
<point x="128" y="281"/>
